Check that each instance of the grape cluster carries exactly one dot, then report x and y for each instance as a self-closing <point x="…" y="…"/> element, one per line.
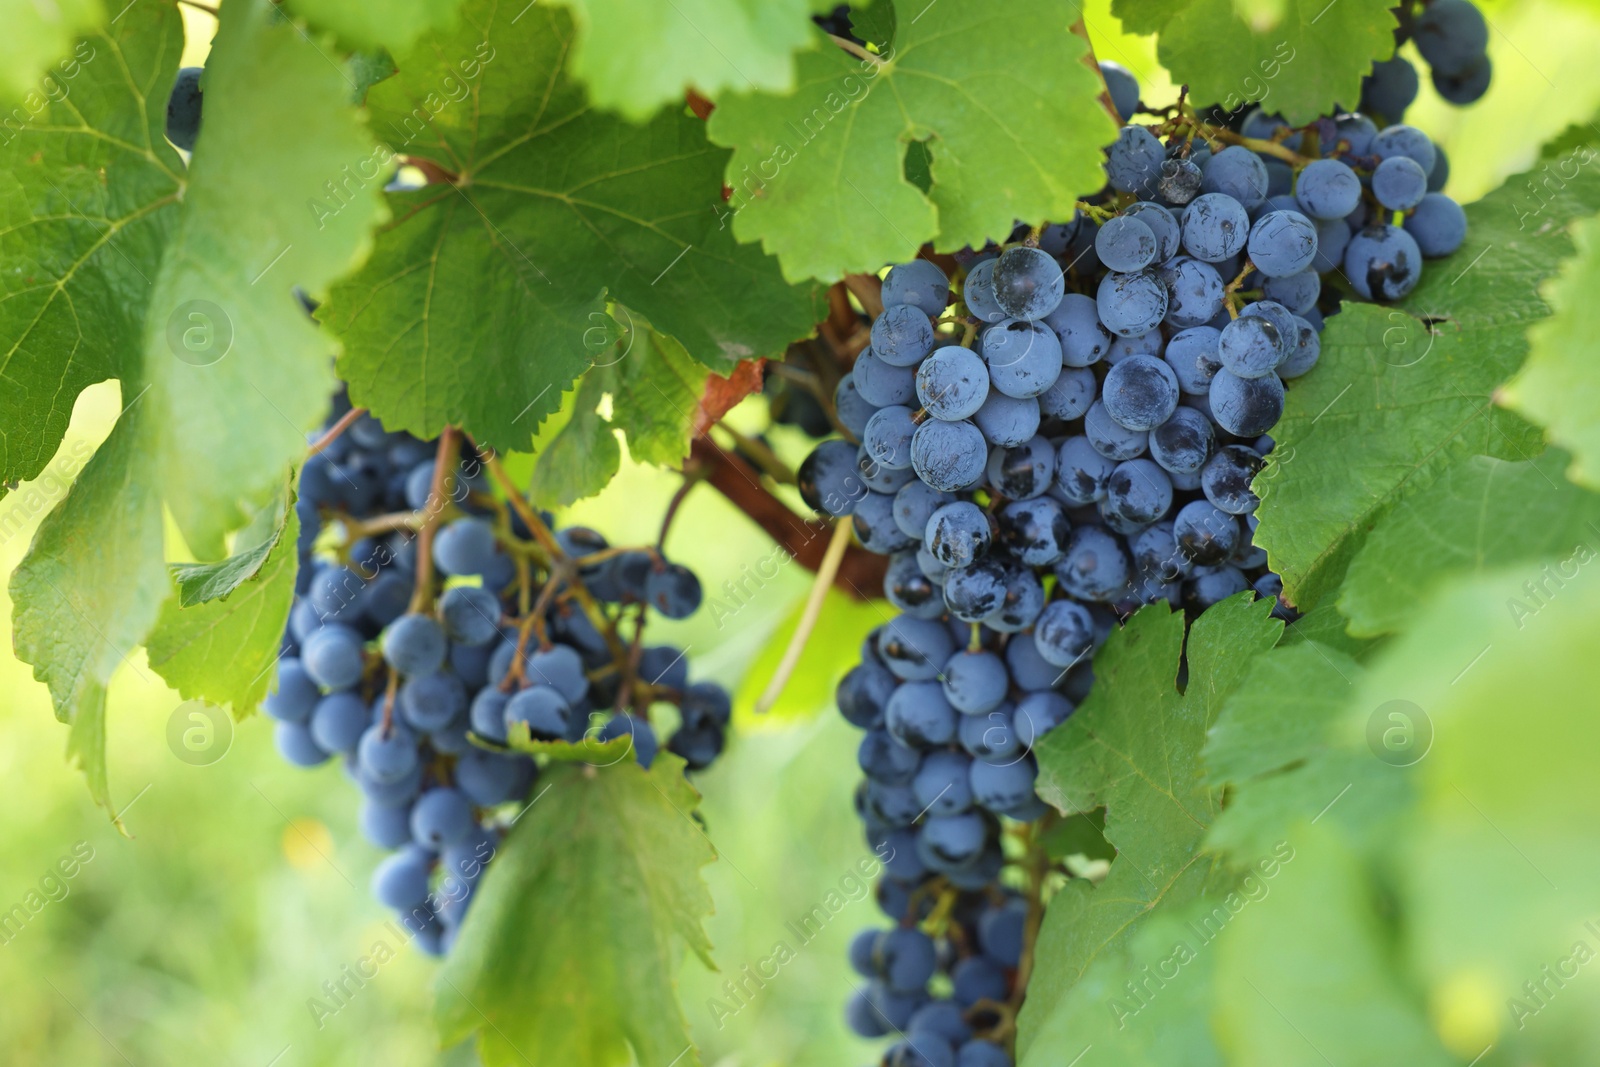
<point x="1453" y="37"/>
<point x="1075" y="437"/>
<point x="416" y="688"/>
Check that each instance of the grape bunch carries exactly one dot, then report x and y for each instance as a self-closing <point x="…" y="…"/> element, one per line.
<point x="1453" y="37"/>
<point x="1071" y="434"/>
<point x="414" y="671"/>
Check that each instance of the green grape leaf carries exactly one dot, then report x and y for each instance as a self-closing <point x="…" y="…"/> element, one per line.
<point x="37" y="56"/>
<point x="199" y="583"/>
<point x="487" y="295"/>
<point x="219" y="638"/>
<point x="230" y="356"/>
<point x="89" y="194"/>
<point x="391" y="24"/>
<point x="1350" y="1006"/>
<point x="1401" y="393"/>
<point x="582" y="457"/>
<point x="818" y="174"/>
<point x="1300" y="65"/>
<point x="655" y="391"/>
<point x="1282" y="712"/>
<point x="636" y="55"/>
<point x="612" y="857"/>
<point x="1557" y="388"/>
<point x="1479" y="513"/>
<point x="1133" y="747"/>
<point x="90" y="588"/>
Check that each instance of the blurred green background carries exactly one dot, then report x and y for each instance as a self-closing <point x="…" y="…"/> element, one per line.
<point x="243" y="887"/>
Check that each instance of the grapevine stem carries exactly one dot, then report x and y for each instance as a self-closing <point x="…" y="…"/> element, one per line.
<point x="444" y="459"/>
<point x="868" y="290"/>
<point x="854" y="49"/>
<point x="764" y="457"/>
<point x="690" y="480"/>
<point x="808" y="618"/>
<point x="335" y="430"/>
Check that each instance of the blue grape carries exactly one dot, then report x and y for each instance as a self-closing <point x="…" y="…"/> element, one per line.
<point x="973" y="593"/>
<point x="1212" y="585"/>
<point x="1464" y="86"/>
<point x="1195" y="292"/>
<point x="975" y="682"/>
<point x="902" y="335"/>
<point x="388" y="756"/>
<point x="1227" y="476"/>
<point x="863" y="693"/>
<point x="386" y="826"/>
<point x="336" y="593"/>
<point x="296" y="746"/>
<point x="1407" y="141"/>
<point x="1399" y="183"/>
<point x="1180" y="182"/>
<point x="465" y="546"/>
<point x="386" y="597"/>
<point x="561" y="668"/>
<point x="881" y="384"/>
<point x="1237" y="173"/>
<point x="888" y="436"/>
<point x="401" y="880"/>
<point x="1246" y="407"/>
<point x="952" y="383"/>
<point x="638" y="731"/>
<point x="1140" y="393"/>
<point x="941" y="783"/>
<point x="875" y="525"/>
<point x="1007" y="421"/>
<point x="1389" y="90"/>
<point x="295" y="695"/>
<point x="1183" y="443"/>
<point x="470" y="615"/>
<point x="913" y="649"/>
<point x="1076" y="321"/>
<point x="1252" y="346"/>
<point x="977" y="978"/>
<point x="1023" y="357"/>
<point x="1125" y="244"/>
<point x="1332" y="237"/>
<point x="1067" y="399"/>
<point x="915" y="504"/>
<point x="1123" y="87"/>
<point x="1036" y="530"/>
<point x="1133" y="162"/>
<point x="432" y="701"/>
<point x="1064" y="633"/>
<point x="1303" y="356"/>
<point x="1022" y="472"/>
<point x="1296" y="292"/>
<point x="1028" y="669"/>
<point x="414" y="644"/>
<point x="977" y="292"/>
<point x="918" y="283"/>
<point x="919" y="716"/>
<point x="948" y="455"/>
<point x="1438" y="225"/>
<point x="1282" y="243"/>
<point x="828" y="481"/>
<point x="1215" y="227"/>
<point x="1205" y="534"/>
<point x="1043" y="710"/>
<point x="1328" y="189"/>
<point x="489" y="778"/>
<point x="852" y="408"/>
<point x="1028" y="283"/>
<point x="1357" y="131"/>
<point x="1451" y="35"/>
<point x="1149" y="343"/>
<point x="878" y="478"/>
<point x="1002" y="786"/>
<point x="958" y="534"/>
<point x="1162" y="223"/>
<point x="1383" y="263"/>
<point x="441" y="816"/>
<point x="1155" y="553"/>
<point x="949" y="842"/>
<point x="1139" y="492"/>
<point x="1131" y="303"/>
<point x="991" y="736"/>
<point x="184" y="107"/>
<point x="885" y="760"/>
<point x="1194" y="358"/>
<point x="1109" y="437"/>
<point x="1095" y="567"/>
<point x="673" y="590"/>
<point x="544" y="711"/>
<point x="941" y="1017"/>
<point x="1082" y="471"/>
<point x="333" y="657"/>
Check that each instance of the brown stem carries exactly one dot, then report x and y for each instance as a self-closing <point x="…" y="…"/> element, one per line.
<point x="444" y="459"/>
<point x="806" y="541"/>
<point x="335" y="430"/>
<point x="868" y="290"/>
<point x="691" y="478"/>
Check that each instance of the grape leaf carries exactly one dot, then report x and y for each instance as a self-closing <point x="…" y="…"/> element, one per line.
<point x="37" y="54"/>
<point x="1280" y="713"/>
<point x="1134" y="747"/>
<point x="655" y="392"/>
<point x="582" y="457"/>
<point x="1350" y="1006"/>
<point x="1310" y="59"/>
<point x="251" y="388"/>
<point x="1557" y="387"/>
<point x="636" y="55"/>
<point x="487" y="295"/>
<point x="1396" y="399"/>
<point x="1480" y="513"/>
<point x="570" y="952"/>
<point x="86" y="747"/>
<point x="817" y="174"/>
<point x="89" y="195"/>
<point x="391" y="24"/>
<point x="218" y="639"/>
